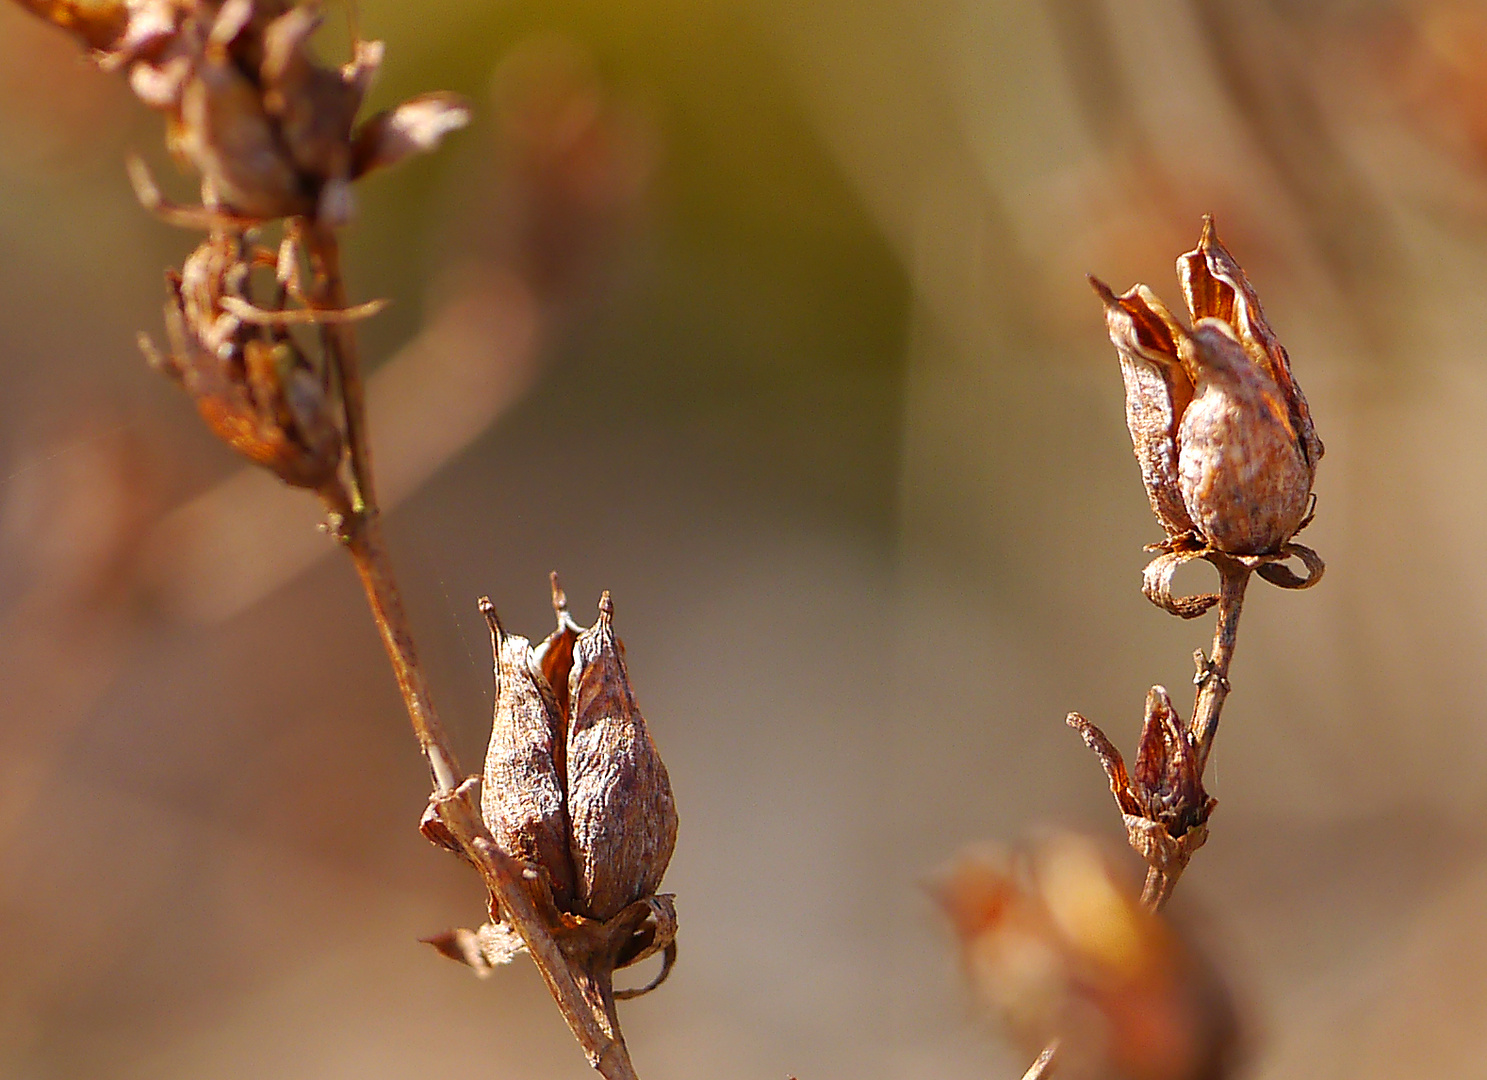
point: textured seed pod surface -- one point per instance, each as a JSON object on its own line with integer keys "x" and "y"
{"x": 623, "y": 818}
{"x": 522, "y": 795}
{"x": 1244, "y": 479}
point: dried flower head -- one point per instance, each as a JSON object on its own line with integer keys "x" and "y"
{"x": 1220, "y": 428}
{"x": 271, "y": 130}
{"x": 255, "y": 387}
{"x": 1055, "y": 949}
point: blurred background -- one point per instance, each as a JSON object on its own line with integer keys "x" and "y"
{"x": 770, "y": 318}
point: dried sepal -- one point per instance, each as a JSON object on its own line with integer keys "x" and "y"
{"x": 1156, "y": 584}
{"x": 620, "y": 806}
{"x": 522, "y": 797}
{"x": 1157, "y": 391}
{"x": 417, "y": 126}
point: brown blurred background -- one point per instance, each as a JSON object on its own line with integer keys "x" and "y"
{"x": 770, "y": 318}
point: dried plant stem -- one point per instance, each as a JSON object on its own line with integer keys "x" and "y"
{"x": 1213, "y": 674}
{"x": 1044, "y": 1064}
{"x": 587, "y": 1005}
{"x": 1213, "y": 689}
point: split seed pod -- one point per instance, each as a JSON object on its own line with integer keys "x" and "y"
{"x": 522, "y": 797}
{"x": 573, "y": 782}
{"x": 622, "y": 815}
{"x": 1221, "y": 430}
{"x": 1162, "y": 800}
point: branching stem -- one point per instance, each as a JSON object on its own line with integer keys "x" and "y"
{"x": 1213, "y": 688}
{"x": 588, "y": 1008}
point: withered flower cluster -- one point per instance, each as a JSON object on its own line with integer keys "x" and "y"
{"x": 1222, "y": 432}
{"x": 272, "y": 132}
{"x": 1056, "y": 948}
{"x": 575, "y": 789}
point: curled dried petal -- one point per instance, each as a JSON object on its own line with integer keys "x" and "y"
{"x": 1277, "y": 573}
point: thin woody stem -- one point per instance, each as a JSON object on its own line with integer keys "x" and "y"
{"x": 1213, "y": 676}
{"x": 357, "y": 521}
{"x": 1213, "y": 689}
{"x": 1044, "y": 1065}
{"x": 588, "y": 1009}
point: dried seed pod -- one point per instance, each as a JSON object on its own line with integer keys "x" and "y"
{"x": 1162, "y": 800}
{"x": 521, "y": 796}
{"x": 251, "y": 383}
{"x": 1243, "y": 473}
{"x": 620, "y": 806}
{"x": 1224, "y": 436}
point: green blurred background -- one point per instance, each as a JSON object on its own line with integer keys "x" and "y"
{"x": 768, "y": 317}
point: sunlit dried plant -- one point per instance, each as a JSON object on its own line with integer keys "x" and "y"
{"x": 1228, "y": 453}
{"x": 576, "y": 823}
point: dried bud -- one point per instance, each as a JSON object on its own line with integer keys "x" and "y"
{"x": 1055, "y": 948}
{"x": 619, "y": 796}
{"x": 1164, "y": 805}
{"x": 251, "y": 382}
{"x": 522, "y": 795}
{"x": 1221, "y": 430}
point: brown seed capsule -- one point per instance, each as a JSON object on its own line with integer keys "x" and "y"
{"x": 620, "y": 806}
{"x": 251, "y": 383}
{"x": 522, "y": 798}
{"x": 1222, "y": 432}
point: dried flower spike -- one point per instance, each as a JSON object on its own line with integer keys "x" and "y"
{"x": 271, "y": 130}
{"x": 1221, "y": 430}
